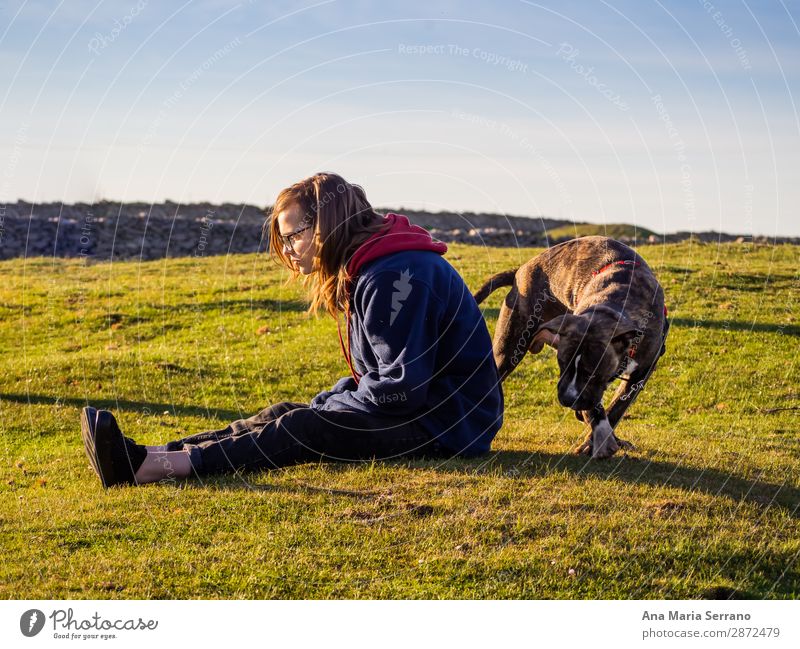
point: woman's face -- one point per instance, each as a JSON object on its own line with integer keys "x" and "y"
{"x": 301, "y": 252}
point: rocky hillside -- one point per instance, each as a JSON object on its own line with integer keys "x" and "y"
{"x": 140, "y": 230}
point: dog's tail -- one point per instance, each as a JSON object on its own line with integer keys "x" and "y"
{"x": 506, "y": 278}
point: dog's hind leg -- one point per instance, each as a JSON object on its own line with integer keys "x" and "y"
{"x": 513, "y": 334}
{"x": 585, "y": 447}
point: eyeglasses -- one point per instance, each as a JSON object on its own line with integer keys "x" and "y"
{"x": 289, "y": 239}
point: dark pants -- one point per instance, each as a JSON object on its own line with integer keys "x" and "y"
{"x": 291, "y": 433}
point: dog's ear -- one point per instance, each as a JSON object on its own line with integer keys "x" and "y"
{"x": 537, "y": 345}
{"x": 554, "y": 325}
{"x": 541, "y": 338}
{"x": 548, "y": 333}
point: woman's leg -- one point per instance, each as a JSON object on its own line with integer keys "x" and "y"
{"x": 171, "y": 461}
{"x": 163, "y": 466}
{"x": 238, "y": 427}
{"x": 305, "y": 434}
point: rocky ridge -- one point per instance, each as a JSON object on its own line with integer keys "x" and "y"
{"x": 107, "y": 230}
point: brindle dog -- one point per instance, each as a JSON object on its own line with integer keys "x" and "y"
{"x": 598, "y": 303}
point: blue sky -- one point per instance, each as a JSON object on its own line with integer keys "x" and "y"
{"x": 671, "y": 115}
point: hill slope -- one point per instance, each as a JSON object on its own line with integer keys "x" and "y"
{"x": 707, "y": 507}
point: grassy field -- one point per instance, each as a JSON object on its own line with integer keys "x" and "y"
{"x": 707, "y": 507}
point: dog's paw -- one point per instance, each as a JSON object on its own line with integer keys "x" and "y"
{"x": 605, "y": 451}
{"x": 585, "y": 447}
{"x": 604, "y": 443}
{"x": 625, "y": 445}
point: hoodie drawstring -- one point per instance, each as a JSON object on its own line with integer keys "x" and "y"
{"x": 346, "y": 352}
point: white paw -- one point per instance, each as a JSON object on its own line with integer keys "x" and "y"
{"x": 603, "y": 443}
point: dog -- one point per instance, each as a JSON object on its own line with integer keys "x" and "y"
{"x": 596, "y": 301}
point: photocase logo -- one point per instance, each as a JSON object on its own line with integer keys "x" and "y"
{"x": 31, "y": 622}
{"x": 402, "y": 289}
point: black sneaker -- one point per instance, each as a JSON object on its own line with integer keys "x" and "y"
{"x": 114, "y": 457}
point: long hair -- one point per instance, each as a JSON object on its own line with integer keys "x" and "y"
{"x": 342, "y": 220}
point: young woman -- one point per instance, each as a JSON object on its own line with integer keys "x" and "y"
{"x": 423, "y": 379}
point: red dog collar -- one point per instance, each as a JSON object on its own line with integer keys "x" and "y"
{"x": 625, "y": 262}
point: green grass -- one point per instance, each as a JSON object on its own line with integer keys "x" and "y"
{"x": 616, "y": 230}
{"x": 707, "y": 507}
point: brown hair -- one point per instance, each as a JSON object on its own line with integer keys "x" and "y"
{"x": 342, "y": 220}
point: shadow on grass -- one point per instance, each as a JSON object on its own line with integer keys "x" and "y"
{"x": 513, "y": 464}
{"x": 518, "y": 464}
{"x": 735, "y": 325}
{"x": 522, "y": 465}
{"x": 125, "y": 405}
{"x": 244, "y": 481}
{"x": 755, "y": 282}
{"x": 243, "y": 305}
{"x": 158, "y": 314}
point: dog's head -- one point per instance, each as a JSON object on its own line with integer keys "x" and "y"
{"x": 590, "y": 349}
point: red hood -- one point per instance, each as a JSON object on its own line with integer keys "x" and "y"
{"x": 400, "y": 234}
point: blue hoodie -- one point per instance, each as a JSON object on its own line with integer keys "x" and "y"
{"x": 419, "y": 345}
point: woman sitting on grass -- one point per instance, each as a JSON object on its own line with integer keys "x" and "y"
{"x": 423, "y": 382}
